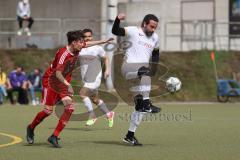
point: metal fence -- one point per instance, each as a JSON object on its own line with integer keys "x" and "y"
{"x": 46, "y": 32}
{"x": 199, "y": 35}
{"x": 175, "y": 35}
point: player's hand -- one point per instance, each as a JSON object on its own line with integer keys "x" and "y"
{"x": 70, "y": 90}
{"x": 106, "y": 74}
{"x": 121, "y": 16}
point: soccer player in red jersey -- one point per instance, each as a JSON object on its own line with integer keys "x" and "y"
{"x": 56, "y": 85}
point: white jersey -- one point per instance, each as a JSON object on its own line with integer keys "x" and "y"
{"x": 141, "y": 45}
{"x": 90, "y": 66}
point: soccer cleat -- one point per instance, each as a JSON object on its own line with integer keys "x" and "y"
{"x": 148, "y": 107}
{"x": 30, "y": 135}
{"x": 54, "y": 141}
{"x": 110, "y": 117}
{"x": 155, "y": 109}
{"x": 91, "y": 122}
{"x": 132, "y": 141}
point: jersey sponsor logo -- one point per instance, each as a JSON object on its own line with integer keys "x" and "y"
{"x": 145, "y": 44}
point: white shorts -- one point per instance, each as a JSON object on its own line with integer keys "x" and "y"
{"x": 94, "y": 85}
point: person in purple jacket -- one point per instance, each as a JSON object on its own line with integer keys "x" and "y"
{"x": 17, "y": 81}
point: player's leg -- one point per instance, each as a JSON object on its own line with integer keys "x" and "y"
{"x": 144, "y": 91}
{"x": 36, "y": 121}
{"x": 142, "y": 72}
{"x": 136, "y": 119}
{"x": 130, "y": 71}
{"x": 48, "y": 99}
{"x": 141, "y": 94}
{"x": 84, "y": 95}
{"x": 68, "y": 109}
{"x": 100, "y": 103}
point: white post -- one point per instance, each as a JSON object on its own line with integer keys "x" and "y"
{"x": 111, "y": 15}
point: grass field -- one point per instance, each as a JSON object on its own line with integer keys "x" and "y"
{"x": 180, "y": 132}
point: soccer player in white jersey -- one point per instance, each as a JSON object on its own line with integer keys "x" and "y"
{"x": 91, "y": 72}
{"x": 144, "y": 48}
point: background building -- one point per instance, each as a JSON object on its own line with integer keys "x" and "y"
{"x": 184, "y": 24}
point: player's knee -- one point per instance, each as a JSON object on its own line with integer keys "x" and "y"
{"x": 82, "y": 96}
{"x": 70, "y": 108}
{"x": 96, "y": 101}
{"x": 144, "y": 71}
{"x": 48, "y": 110}
{"x": 67, "y": 100}
{"x": 138, "y": 100}
{"x": 145, "y": 81}
{"x": 100, "y": 102}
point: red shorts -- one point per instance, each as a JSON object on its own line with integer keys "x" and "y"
{"x": 50, "y": 97}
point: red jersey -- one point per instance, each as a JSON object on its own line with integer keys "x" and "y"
{"x": 64, "y": 61}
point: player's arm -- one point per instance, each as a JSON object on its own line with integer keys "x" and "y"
{"x": 155, "y": 60}
{"x": 107, "y": 66}
{"x": 155, "y": 55}
{"x": 61, "y": 78}
{"x": 93, "y": 43}
{"x": 116, "y": 29}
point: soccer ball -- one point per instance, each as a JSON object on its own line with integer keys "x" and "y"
{"x": 173, "y": 84}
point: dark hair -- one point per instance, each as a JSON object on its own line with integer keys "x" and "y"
{"x": 39, "y": 70}
{"x": 74, "y": 36}
{"x": 87, "y": 30}
{"x": 21, "y": 67}
{"x": 149, "y": 17}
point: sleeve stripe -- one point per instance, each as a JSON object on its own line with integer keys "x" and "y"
{"x": 64, "y": 55}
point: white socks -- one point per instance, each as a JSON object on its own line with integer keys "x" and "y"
{"x": 103, "y": 106}
{"x": 136, "y": 119}
{"x": 88, "y": 104}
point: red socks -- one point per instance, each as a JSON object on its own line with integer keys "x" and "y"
{"x": 40, "y": 117}
{"x": 64, "y": 119}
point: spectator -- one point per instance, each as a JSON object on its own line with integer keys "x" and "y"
{"x": 35, "y": 84}
{"x": 3, "y": 80}
{"x": 23, "y": 14}
{"x": 17, "y": 81}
